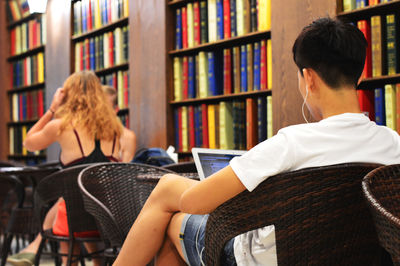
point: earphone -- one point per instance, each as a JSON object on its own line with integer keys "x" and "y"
{"x": 302, "y": 107}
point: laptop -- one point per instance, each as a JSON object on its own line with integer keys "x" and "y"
{"x": 209, "y": 161}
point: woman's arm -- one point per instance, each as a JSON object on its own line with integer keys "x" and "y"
{"x": 128, "y": 145}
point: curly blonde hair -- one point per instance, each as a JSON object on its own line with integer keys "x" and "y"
{"x": 85, "y": 104}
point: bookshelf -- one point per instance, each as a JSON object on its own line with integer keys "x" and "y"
{"x": 221, "y": 75}
{"x": 99, "y": 42}
{"x": 26, "y": 85}
{"x": 380, "y": 87}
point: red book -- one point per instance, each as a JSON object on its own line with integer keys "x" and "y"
{"x": 227, "y": 71}
{"x": 251, "y": 123}
{"x": 227, "y": 19}
{"x": 196, "y": 20}
{"x": 82, "y": 56}
{"x": 12, "y": 37}
{"x": 115, "y": 80}
{"x": 40, "y": 105}
{"x": 263, "y": 66}
{"x": 126, "y": 89}
{"x": 25, "y": 72}
{"x": 87, "y": 54}
{"x": 89, "y": 16}
{"x": 20, "y": 101}
{"x": 185, "y": 77}
{"x": 374, "y": 2}
{"x": 366, "y": 98}
{"x": 180, "y": 145}
{"x": 192, "y": 139}
{"x": 111, "y": 48}
{"x": 365, "y": 27}
{"x": 35, "y": 34}
{"x": 184, "y": 28}
{"x": 204, "y": 123}
{"x": 30, "y": 35}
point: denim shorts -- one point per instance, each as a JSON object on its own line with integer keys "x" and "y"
{"x": 192, "y": 241}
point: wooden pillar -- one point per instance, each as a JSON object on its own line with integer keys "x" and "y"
{"x": 287, "y": 20}
{"x": 57, "y": 53}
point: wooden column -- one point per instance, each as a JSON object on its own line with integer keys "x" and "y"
{"x": 5, "y": 81}
{"x": 288, "y": 18}
{"x": 57, "y": 53}
{"x": 147, "y": 72}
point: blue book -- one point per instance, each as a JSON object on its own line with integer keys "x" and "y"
{"x": 233, "y": 18}
{"x": 262, "y": 118}
{"x": 105, "y": 19}
{"x": 178, "y": 29}
{"x": 84, "y": 18}
{"x": 243, "y": 68}
{"x": 220, "y": 20}
{"x": 191, "y": 77}
{"x": 211, "y": 74}
{"x": 361, "y": 3}
{"x": 92, "y": 54}
{"x": 199, "y": 111}
{"x": 176, "y": 129}
{"x": 24, "y": 114}
{"x": 380, "y": 116}
{"x": 256, "y": 67}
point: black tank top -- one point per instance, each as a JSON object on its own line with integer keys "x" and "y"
{"x": 96, "y": 156}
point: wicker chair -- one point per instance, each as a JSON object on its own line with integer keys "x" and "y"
{"x": 319, "y": 214}
{"x": 114, "y": 194}
{"x": 64, "y": 184}
{"x": 183, "y": 167}
{"x": 381, "y": 188}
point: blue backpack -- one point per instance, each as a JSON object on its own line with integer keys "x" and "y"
{"x": 152, "y": 156}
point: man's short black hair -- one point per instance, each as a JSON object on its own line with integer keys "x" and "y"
{"x": 334, "y": 49}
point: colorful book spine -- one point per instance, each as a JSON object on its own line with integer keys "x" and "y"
{"x": 233, "y": 18}
{"x": 220, "y": 20}
{"x": 392, "y": 44}
{"x": 264, "y": 15}
{"x": 184, "y": 28}
{"x": 203, "y": 21}
{"x": 212, "y": 20}
{"x": 185, "y": 78}
{"x": 211, "y": 126}
{"x": 185, "y": 129}
{"x": 212, "y": 84}
{"x": 262, "y": 118}
{"x": 376, "y": 41}
{"x": 178, "y": 30}
{"x": 390, "y": 106}
{"x": 251, "y": 123}
{"x": 191, "y": 127}
{"x": 250, "y": 73}
{"x": 177, "y": 79}
{"x": 256, "y": 67}
{"x": 227, "y": 71}
{"x": 269, "y": 64}
{"x": 196, "y": 22}
{"x": 227, "y": 19}
{"x": 380, "y": 115}
{"x": 236, "y": 66}
{"x": 190, "y": 24}
{"x": 365, "y": 27}
{"x": 191, "y": 77}
{"x": 225, "y": 126}
{"x": 203, "y": 75}
{"x": 243, "y": 68}
{"x": 204, "y": 122}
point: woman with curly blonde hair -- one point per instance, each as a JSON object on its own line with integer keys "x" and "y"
{"x": 83, "y": 122}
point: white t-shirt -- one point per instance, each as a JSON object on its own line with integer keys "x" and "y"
{"x": 344, "y": 138}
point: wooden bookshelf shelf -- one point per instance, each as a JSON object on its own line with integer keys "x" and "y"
{"x": 366, "y": 12}
{"x": 240, "y": 40}
{"x": 179, "y": 3}
{"x": 112, "y": 69}
{"x": 26, "y": 157}
{"x": 220, "y": 98}
{"x": 27, "y": 53}
{"x": 22, "y": 20}
{"x": 119, "y": 23}
{"x": 375, "y": 82}
{"x": 26, "y": 88}
{"x": 20, "y": 123}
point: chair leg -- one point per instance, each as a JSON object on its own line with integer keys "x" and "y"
{"x": 6, "y": 248}
{"x": 39, "y": 251}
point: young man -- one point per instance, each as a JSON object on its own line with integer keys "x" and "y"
{"x": 330, "y": 58}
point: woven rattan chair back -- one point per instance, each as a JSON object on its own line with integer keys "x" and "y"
{"x": 115, "y": 193}
{"x": 381, "y": 188}
{"x": 64, "y": 184}
{"x": 319, "y": 214}
{"x": 183, "y": 167}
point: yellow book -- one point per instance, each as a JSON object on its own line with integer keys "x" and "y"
{"x": 225, "y": 126}
{"x": 24, "y": 29}
{"x": 270, "y": 131}
{"x": 118, "y": 46}
{"x": 177, "y": 79}
{"x": 264, "y": 15}
{"x": 97, "y": 15}
{"x": 211, "y": 126}
{"x": 106, "y": 53}
{"x": 185, "y": 140}
{"x": 390, "y": 105}
{"x": 269, "y": 63}
{"x": 18, "y": 40}
{"x": 126, "y": 8}
{"x": 376, "y": 45}
{"x": 212, "y": 20}
{"x": 120, "y": 90}
{"x": 15, "y": 107}
{"x": 24, "y": 150}
{"x": 190, "y": 25}
{"x": 11, "y": 138}
{"x": 78, "y": 56}
{"x": 40, "y": 68}
{"x": 239, "y": 17}
{"x": 203, "y": 75}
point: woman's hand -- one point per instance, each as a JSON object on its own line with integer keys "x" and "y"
{"x": 57, "y": 99}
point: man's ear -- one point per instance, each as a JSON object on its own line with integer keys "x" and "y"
{"x": 309, "y": 78}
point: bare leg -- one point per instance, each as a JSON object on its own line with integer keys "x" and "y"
{"x": 64, "y": 250}
{"x": 148, "y": 232}
{"x": 91, "y": 247}
{"x": 47, "y": 224}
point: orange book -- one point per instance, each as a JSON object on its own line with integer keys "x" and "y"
{"x": 251, "y": 123}
{"x": 365, "y": 27}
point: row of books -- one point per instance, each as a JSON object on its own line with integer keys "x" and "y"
{"x": 349, "y": 5}
{"x": 120, "y": 81}
{"x": 124, "y": 119}
{"x": 227, "y": 71}
{"x": 239, "y": 124}
{"x": 17, "y": 135}
{"x": 28, "y": 35}
{"x": 103, "y": 51}
{"x": 381, "y": 33}
{"x": 27, "y": 105}
{"x": 18, "y": 9}
{"x": 211, "y": 20}
{"x": 28, "y": 71}
{"x": 93, "y": 14}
